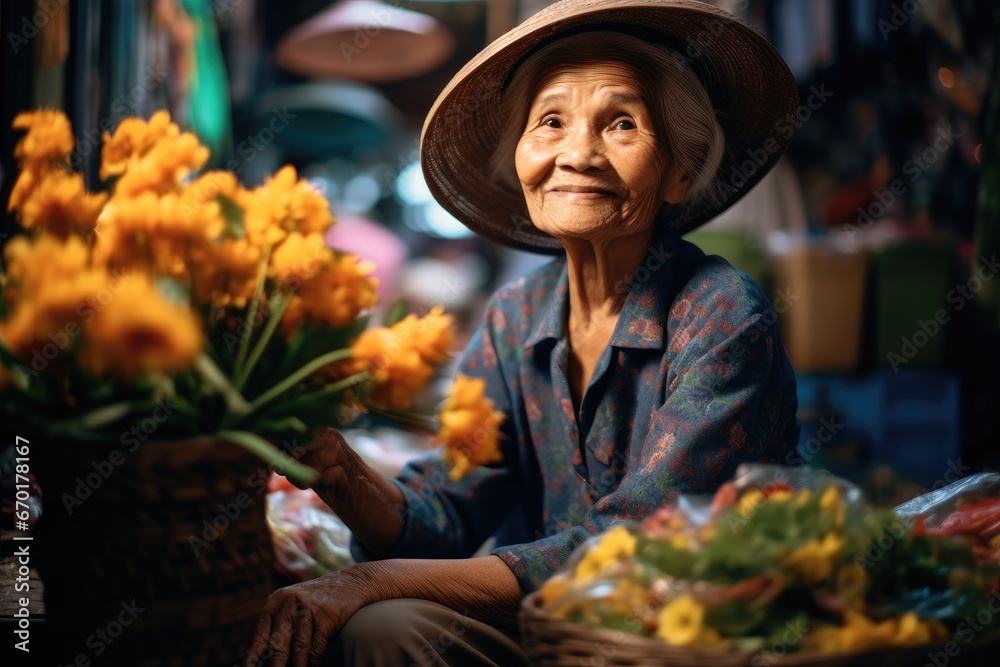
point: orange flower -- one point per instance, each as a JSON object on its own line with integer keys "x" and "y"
{"x": 401, "y": 358}
{"x": 49, "y": 138}
{"x": 339, "y": 292}
{"x": 60, "y": 205}
{"x": 138, "y": 331}
{"x": 132, "y": 139}
{"x": 52, "y": 284}
{"x": 470, "y": 427}
{"x": 227, "y": 273}
{"x": 299, "y": 258}
{"x": 163, "y": 167}
{"x": 397, "y": 370}
{"x": 284, "y": 204}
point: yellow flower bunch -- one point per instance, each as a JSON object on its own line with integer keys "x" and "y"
{"x": 182, "y": 282}
{"x": 125, "y": 325}
{"x": 400, "y": 359}
{"x": 615, "y": 545}
{"x": 46, "y": 195}
{"x": 470, "y": 427}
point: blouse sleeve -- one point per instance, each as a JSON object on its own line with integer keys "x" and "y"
{"x": 727, "y": 398}
{"x": 448, "y": 519}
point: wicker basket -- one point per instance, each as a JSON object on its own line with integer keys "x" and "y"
{"x": 127, "y": 559}
{"x": 553, "y": 643}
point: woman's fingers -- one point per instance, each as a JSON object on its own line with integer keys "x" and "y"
{"x": 283, "y": 623}
{"x": 303, "y": 640}
{"x": 260, "y": 637}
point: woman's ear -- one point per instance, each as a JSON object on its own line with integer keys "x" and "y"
{"x": 677, "y": 185}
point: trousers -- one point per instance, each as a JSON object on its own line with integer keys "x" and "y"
{"x": 419, "y": 633}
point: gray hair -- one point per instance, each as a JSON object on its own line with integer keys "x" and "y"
{"x": 683, "y": 117}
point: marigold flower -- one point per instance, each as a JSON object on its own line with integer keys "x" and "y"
{"x": 138, "y": 331}
{"x": 615, "y": 545}
{"x": 161, "y": 169}
{"x": 470, "y": 427}
{"x": 284, "y": 204}
{"x": 132, "y": 139}
{"x": 681, "y": 621}
{"x": 398, "y": 372}
{"x": 339, "y": 292}
{"x": 226, "y": 273}
{"x": 49, "y": 138}
{"x": 396, "y": 360}
{"x": 299, "y": 258}
{"x": 60, "y": 205}
{"x": 431, "y": 335}
{"x": 53, "y": 283}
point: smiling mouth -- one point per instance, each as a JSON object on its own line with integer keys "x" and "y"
{"x": 582, "y": 192}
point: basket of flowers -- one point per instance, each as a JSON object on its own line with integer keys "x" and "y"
{"x": 165, "y": 344}
{"x": 781, "y": 567}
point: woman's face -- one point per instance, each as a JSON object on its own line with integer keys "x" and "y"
{"x": 588, "y": 161}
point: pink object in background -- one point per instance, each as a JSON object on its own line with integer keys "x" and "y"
{"x": 369, "y": 240}
{"x": 365, "y": 40}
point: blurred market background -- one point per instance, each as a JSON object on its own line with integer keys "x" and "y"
{"x": 877, "y": 236}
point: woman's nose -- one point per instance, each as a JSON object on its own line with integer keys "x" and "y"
{"x": 582, "y": 150}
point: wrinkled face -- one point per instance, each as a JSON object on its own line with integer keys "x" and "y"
{"x": 589, "y": 162}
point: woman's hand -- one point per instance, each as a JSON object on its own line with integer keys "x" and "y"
{"x": 299, "y": 620}
{"x": 371, "y": 506}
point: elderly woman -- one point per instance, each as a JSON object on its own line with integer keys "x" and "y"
{"x": 630, "y": 369}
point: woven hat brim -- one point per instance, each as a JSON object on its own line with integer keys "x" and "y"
{"x": 751, "y": 89}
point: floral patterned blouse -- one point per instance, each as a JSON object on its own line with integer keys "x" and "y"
{"x": 694, "y": 382}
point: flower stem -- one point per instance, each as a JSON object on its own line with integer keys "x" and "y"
{"x": 241, "y": 352}
{"x": 300, "y": 375}
{"x": 279, "y": 304}
{"x": 298, "y": 473}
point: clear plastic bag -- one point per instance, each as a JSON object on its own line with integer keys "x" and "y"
{"x": 968, "y": 508}
{"x": 309, "y": 540}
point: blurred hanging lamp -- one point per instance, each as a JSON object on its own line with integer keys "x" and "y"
{"x": 365, "y": 40}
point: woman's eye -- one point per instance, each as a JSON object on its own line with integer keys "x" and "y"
{"x": 551, "y": 122}
{"x": 624, "y": 124}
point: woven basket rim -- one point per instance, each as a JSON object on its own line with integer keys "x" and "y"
{"x": 531, "y": 613}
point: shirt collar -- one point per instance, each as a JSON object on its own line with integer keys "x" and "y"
{"x": 552, "y": 313}
{"x": 642, "y": 322}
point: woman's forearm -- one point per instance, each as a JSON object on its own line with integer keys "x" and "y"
{"x": 483, "y": 588}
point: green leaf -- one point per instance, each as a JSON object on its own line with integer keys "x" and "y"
{"x": 396, "y": 313}
{"x": 109, "y": 414}
{"x": 298, "y": 473}
{"x": 234, "y": 217}
{"x": 215, "y": 378}
{"x": 300, "y": 375}
{"x": 278, "y": 305}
